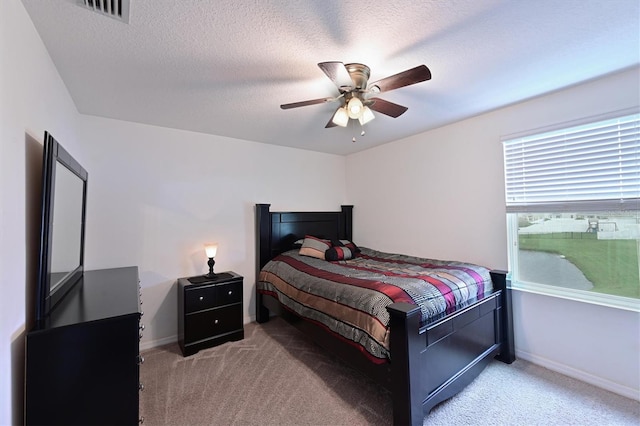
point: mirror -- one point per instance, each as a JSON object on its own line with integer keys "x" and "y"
{"x": 67, "y": 225}
{"x": 64, "y": 193}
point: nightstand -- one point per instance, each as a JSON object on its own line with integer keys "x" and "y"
{"x": 209, "y": 311}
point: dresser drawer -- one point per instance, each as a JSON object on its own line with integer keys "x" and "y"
{"x": 227, "y": 294}
{"x": 200, "y": 298}
{"x": 213, "y": 322}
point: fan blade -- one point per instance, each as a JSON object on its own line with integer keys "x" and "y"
{"x": 305, "y": 103}
{"x": 405, "y": 78}
{"x": 330, "y": 123}
{"x": 387, "y": 108}
{"x": 337, "y": 72}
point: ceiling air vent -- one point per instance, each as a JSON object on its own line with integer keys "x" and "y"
{"x": 116, "y": 9}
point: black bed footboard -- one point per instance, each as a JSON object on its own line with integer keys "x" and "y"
{"x": 432, "y": 363}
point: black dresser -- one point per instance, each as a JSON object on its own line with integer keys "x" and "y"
{"x": 82, "y": 365}
{"x": 209, "y": 311}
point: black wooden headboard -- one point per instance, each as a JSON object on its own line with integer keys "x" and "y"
{"x": 277, "y": 231}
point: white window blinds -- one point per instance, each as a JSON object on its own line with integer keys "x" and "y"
{"x": 590, "y": 167}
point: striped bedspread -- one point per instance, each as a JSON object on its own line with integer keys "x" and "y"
{"x": 349, "y": 298}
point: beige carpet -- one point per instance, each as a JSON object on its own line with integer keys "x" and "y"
{"x": 275, "y": 377}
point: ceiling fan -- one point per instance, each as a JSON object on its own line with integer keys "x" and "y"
{"x": 355, "y": 92}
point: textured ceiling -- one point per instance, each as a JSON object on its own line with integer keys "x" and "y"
{"x": 223, "y": 67}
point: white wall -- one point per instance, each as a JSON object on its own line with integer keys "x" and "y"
{"x": 440, "y": 194}
{"x": 32, "y": 99}
{"x": 157, "y": 195}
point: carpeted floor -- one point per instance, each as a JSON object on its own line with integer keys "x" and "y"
{"x": 276, "y": 377}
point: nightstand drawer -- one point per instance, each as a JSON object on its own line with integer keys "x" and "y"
{"x": 210, "y": 323}
{"x": 200, "y": 298}
{"x": 227, "y": 294}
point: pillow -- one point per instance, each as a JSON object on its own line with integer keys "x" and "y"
{"x": 314, "y": 247}
{"x": 339, "y": 253}
{"x": 349, "y": 244}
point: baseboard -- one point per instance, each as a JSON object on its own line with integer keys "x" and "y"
{"x": 150, "y": 344}
{"x": 580, "y": 375}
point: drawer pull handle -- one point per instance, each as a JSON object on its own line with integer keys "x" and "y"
{"x": 140, "y": 359}
{"x": 215, "y": 321}
{"x": 141, "y": 387}
{"x": 201, "y": 298}
{"x": 141, "y": 420}
{"x": 230, "y": 292}
{"x": 141, "y": 327}
{"x": 140, "y": 336}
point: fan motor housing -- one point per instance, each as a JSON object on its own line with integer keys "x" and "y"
{"x": 359, "y": 74}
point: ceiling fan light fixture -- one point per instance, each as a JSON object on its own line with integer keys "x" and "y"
{"x": 355, "y": 107}
{"x": 352, "y": 81}
{"x": 366, "y": 116}
{"x": 341, "y": 117}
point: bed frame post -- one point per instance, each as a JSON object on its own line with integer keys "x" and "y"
{"x": 405, "y": 364}
{"x": 347, "y": 213}
{"x": 507, "y": 352}
{"x": 263, "y": 254}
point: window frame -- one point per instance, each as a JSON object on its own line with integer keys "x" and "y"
{"x": 587, "y": 296}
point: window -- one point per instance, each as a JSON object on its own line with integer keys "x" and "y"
{"x": 573, "y": 211}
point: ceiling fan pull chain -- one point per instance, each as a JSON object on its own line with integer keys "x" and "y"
{"x": 353, "y": 126}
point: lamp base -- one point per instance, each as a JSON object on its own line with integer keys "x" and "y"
{"x": 206, "y": 279}
{"x": 211, "y": 275}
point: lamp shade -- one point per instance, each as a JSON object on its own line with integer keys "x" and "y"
{"x": 354, "y": 107}
{"x": 341, "y": 117}
{"x": 211, "y": 249}
{"x": 367, "y": 116}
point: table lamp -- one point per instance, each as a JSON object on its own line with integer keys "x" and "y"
{"x": 211, "y": 249}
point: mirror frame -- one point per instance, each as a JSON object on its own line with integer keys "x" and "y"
{"x": 56, "y": 156}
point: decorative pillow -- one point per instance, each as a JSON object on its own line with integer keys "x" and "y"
{"x": 349, "y": 244}
{"x": 314, "y": 247}
{"x": 339, "y": 253}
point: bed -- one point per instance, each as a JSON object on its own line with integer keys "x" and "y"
{"x": 424, "y": 353}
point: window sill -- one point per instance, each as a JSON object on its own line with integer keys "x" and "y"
{"x": 618, "y": 302}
